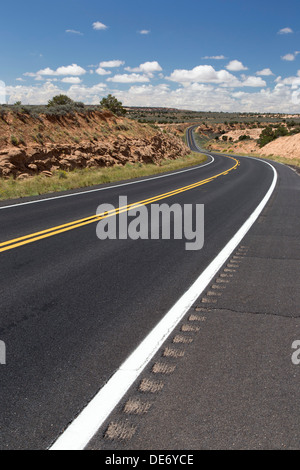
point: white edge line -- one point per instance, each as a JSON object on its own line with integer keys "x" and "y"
{"x": 109, "y": 187}
{"x": 85, "y": 426}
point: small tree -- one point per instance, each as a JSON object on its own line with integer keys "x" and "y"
{"x": 60, "y": 100}
{"x": 112, "y": 104}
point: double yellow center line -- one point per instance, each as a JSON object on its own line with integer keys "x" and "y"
{"x": 33, "y": 237}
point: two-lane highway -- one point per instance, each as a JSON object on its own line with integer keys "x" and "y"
{"x": 73, "y": 308}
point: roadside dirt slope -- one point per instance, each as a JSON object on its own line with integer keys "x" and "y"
{"x": 31, "y": 145}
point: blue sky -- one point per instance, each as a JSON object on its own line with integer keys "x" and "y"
{"x": 228, "y": 55}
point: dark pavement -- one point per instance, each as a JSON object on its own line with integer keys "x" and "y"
{"x": 236, "y": 386}
{"x": 73, "y": 308}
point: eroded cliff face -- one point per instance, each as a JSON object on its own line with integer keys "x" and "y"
{"x": 80, "y": 141}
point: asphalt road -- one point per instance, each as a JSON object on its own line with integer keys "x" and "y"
{"x": 235, "y": 385}
{"x": 74, "y": 307}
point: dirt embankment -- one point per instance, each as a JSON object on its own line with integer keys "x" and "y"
{"x": 287, "y": 147}
{"x": 31, "y": 145}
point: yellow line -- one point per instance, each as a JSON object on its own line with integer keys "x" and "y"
{"x": 17, "y": 242}
{"x": 93, "y": 218}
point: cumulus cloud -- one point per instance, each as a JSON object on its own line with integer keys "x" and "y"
{"x": 293, "y": 82}
{"x": 204, "y": 74}
{"x": 146, "y": 67}
{"x": 236, "y": 66}
{"x": 112, "y": 63}
{"x": 102, "y": 71}
{"x": 73, "y": 69}
{"x": 129, "y": 78}
{"x": 265, "y": 72}
{"x": 256, "y": 82}
{"x": 285, "y": 31}
{"x": 86, "y": 94}
{"x": 98, "y": 26}
{"x": 144, "y": 31}
{"x": 42, "y": 94}
{"x": 73, "y": 80}
{"x": 3, "y": 93}
{"x": 289, "y": 57}
{"x": 205, "y": 97}
{"x": 194, "y": 96}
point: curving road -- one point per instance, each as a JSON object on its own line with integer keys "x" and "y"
{"x": 73, "y": 308}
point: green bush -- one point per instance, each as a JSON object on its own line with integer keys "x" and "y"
{"x": 268, "y": 135}
{"x": 60, "y": 100}
{"x": 112, "y": 104}
{"x": 244, "y": 137}
{"x": 14, "y": 141}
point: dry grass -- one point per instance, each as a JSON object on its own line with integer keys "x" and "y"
{"x": 63, "y": 181}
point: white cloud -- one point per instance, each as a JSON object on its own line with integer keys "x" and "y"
{"x": 101, "y": 71}
{"x": 204, "y": 74}
{"x": 20, "y": 80}
{"x": 73, "y": 80}
{"x": 73, "y": 31}
{"x": 98, "y": 26}
{"x": 3, "y": 93}
{"x": 293, "y": 82}
{"x": 73, "y": 69}
{"x": 194, "y": 96}
{"x": 285, "y": 31}
{"x": 129, "y": 78}
{"x": 236, "y": 66}
{"x": 204, "y": 97}
{"x": 144, "y": 31}
{"x": 214, "y": 57}
{"x": 112, "y": 63}
{"x": 289, "y": 57}
{"x": 33, "y": 94}
{"x": 29, "y": 74}
{"x": 256, "y": 82}
{"x": 265, "y": 72}
{"x": 146, "y": 67}
{"x": 42, "y": 94}
{"x": 86, "y": 94}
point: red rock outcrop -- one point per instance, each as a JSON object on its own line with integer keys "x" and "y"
{"x": 121, "y": 150}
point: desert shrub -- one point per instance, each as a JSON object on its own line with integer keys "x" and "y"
{"x": 62, "y": 174}
{"x": 59, "y": 110}
{"x": 14, "y": 141}
{"x": 112, "y": 104}
{"x": 244, "y": 137}
{"x": 60, "y": 100}
{"x": 294, "y": 131}
{"x": 268, "y": 135}
{"x": 38, "y": 138}
{"x": 79, "y": 105}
